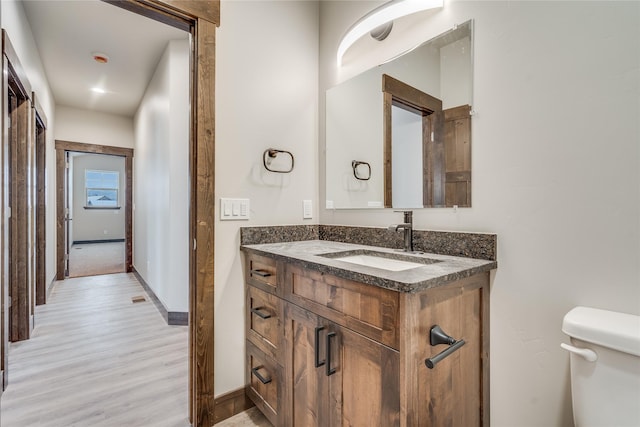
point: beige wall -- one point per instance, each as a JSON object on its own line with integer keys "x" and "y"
{"x": 555, "y": 174}
{"x": 266, "y": 97}
{"x": 92, "y": 127}
{"x": 96, "y": 224}
{"x": 161, "y": 180}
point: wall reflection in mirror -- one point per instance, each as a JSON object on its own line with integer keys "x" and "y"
{"x": 409, "y": 119}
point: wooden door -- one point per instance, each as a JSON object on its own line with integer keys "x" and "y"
{"x": 457, "y": 146}
{"x": 20, "y": 311}
{"x": 306, "y": 403}
{"x": 364, "y": 380}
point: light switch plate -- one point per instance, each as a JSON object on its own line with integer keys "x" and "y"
{"x": 234, "y": 209}
{"x": 307, "y": 209}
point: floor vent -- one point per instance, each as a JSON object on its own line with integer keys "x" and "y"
{"x": 138, "y": 299}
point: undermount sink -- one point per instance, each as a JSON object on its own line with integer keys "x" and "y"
{"x": 382, "y": 260}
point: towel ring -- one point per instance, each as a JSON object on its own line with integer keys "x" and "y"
{"x": 355, "y": 164}
{"x": 270, "y": 154}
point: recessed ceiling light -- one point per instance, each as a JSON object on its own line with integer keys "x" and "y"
{"x": 98, "y": 90}
{"x": 101, "y": 58}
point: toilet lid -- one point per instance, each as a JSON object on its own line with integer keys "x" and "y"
{"x": 618, "y": 331}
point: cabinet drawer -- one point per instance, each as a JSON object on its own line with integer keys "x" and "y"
{"x": 367, "y": 309}
{"x": 264, "y": 379}
{"x": 264, "y": 314}
{"x": 262, "y": 272}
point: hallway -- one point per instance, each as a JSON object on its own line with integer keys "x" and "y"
{"x": 98, "y": 359}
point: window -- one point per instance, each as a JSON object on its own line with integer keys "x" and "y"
{"x": 101, "y": 188}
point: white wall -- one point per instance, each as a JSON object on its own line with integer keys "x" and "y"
{"x": 96, "y": 224}
{"x": 556, "y": 166}
{"x": 456, "y": 82}
{"x": 266, "y": 97}
{"x": 407, "y": 171}
{"x": 161, "y": 180}
{"x": 14, "y": 21}
{"x": 354, "y": 129}
{"x": 93, "y": 127}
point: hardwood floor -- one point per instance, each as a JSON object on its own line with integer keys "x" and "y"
{"x": 98, "y": 359}
{"x": 249, "y": 418}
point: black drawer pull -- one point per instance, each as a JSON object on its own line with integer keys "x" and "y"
{"x": 262, "y": 379}
{"x": 260, "y": 314}
{"x": 330, "y": 370}
{"x": 317, "y": 347}
{"x": 261, "y": 273}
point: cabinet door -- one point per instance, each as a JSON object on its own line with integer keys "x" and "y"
{"x": 305, "y": 384}
{"x": 364, "y": 380}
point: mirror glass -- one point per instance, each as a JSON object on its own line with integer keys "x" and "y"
{"x": 399, "y": 134}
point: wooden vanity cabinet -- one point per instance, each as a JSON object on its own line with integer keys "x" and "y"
{"x": 344, "y": 353}
{"x": 336, "y": 377}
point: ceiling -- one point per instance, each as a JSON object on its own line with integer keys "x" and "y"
{"x": 68, "y": 32}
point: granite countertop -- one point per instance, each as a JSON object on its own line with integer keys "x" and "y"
{"x": 438, "y": 270}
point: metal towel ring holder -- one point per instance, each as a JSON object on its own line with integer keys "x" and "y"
{"x": 355, "y": 164}
{"x": 270, "y": 154}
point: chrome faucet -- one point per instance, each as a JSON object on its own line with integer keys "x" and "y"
{"x": 407, "y": 227}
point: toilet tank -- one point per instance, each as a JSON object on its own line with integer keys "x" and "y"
{"x": 605, "y": 367}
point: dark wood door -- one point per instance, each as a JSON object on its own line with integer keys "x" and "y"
{"x": 457, "y": 146}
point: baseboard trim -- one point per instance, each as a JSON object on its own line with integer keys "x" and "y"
{"x": 84, "y": 242}
{"x": 178, "y": 318}
{"x": 50, "y": 287}
{"x": 230, "y": 404}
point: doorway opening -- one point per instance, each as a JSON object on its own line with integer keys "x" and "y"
{"x": 199, "y": 19}
{"x": 95, "y": 202}
{"x": 78, "y": 176}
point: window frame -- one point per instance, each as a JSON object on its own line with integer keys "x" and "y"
{"x": 87, "y": 189}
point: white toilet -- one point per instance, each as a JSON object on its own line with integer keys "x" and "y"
{"x": 605, "y": 367}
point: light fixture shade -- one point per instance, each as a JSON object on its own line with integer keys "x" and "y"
{"x": 387, "y": 12}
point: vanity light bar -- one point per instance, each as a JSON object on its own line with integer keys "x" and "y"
{"x": 387, "y": 12}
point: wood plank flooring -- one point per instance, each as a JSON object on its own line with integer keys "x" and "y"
{"x": 97, "y": 359}
{"x": 249, "y": 418}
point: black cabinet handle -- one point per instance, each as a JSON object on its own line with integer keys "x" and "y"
{"x": 260, "y": 314}
{"x": 330, "y": 370}
{"x": 262, "y": 379}
{"x": 317, "y": 347}
{"x": 261, "y": 273}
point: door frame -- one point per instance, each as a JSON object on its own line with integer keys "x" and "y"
{"x": 40, "y": 170}
{"x": 13, "y": 74}
{"x": 399, "y": 94}
{"x": 63, "y": 147}
{"x": 200, "y": 18}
